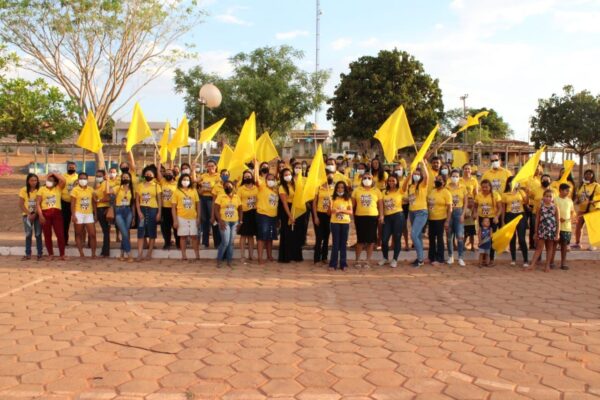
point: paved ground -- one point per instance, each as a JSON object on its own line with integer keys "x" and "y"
{"x": 166, "y": 330}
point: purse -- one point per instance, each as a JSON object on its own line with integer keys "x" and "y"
{"x": 110, "y": 214}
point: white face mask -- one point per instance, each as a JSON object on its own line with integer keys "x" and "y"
{"x": 454, "y": 179}
{"x": 112, "y": 175}
{"x": 49, "y": 184}
{"x": 287, "y": 178}
{"x": 99, "y": 179}
{"x": 330, "y": 168}
{"x": 83, "y": 182}
{"x": 340, "y": 193}
{"x": 586, "y": 181}
{"x": 416, "y": 178}
{"x": 297, "y": 171}
{"x": 271, "y": 183}
{"x": 360, "y": 171}
{"x": 399, "y": 172}
{"x": 198, "y": 169}
{"x": 185, "y": 171}
{"x": 367, "y": 182}
{"x": 495, "y": 164}
{"x": 444, "y": 171}
{"x": 185, "y": 183}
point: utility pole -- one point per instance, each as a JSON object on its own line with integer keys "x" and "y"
{"x": 317, "y": 50}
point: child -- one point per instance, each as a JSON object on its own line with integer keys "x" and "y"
{"x": 566, "y": 210}
{"x": 340, "y": 212}
{"x": 470, "y": 224}
{"x": 546, "y": 229}
{"x": 485, "y": 242}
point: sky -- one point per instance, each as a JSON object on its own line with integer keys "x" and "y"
{"x": 505, "y": 54}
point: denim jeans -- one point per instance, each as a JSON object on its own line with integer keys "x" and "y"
{"x": 227, "y": 242}
{"x": 147, "y": 225}
{"x": 104, "y": 224}
{"x": 456, "y": 229}
{"x": 418, "y": 220}
{"x": 436, "y": 240}
{"x": 123, "y": 218}
{"x": 339, "y": 236}
{"x": 206, "y": 203}
{"x": 32, "y": 228}
{"x": 520, "y": 234}
{"x": 393, "y": 225}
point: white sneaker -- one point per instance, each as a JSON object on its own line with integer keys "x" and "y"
{"x": 394, "y": 263}
{"x": 525, "y": 265}
{"x": 513, "y": 263}
{"x": 382, "y": 262}
{"x": 461, "y": 262}
{"x": 450, "y": 261}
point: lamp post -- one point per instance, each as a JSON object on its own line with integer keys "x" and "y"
{"x": 209, "y": 96}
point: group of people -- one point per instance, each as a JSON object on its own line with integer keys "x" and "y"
{"x": 190, "y": 203}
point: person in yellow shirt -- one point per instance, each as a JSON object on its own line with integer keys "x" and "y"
{"x": 331, "y": 167}
{"x": 148, "y": 201}
{"x": 513, "y": 203}
{"x": 83, "y": 211}
{"x": 124, "y": 195}
{"x": 102, "y": 198}
{"x": 206, "y": 183}
{"x": 416, "y": 188}
{"x": 367, "y": 203}
{"x": 48, "y": 206}
{"x": 340, "y": 212}
{"x": 71, "y": 182}
{"x": 379, "y": 175}
{"x": 360, "y": 170}
{"x": 290, "y": 241}
{"x": 439, "y": 202}
{"x": 566, "y": 210}
{"x": 570, "y": 182}
{"x": 229, "y": 213}
{"x": 185, "y": 209}
{"x": 393, "y": 220}
{"x": 456, "y": 228}
{"x": 267, "y": 202}
{"x": 321, "y": 220}
{"x": 586, "y": 193}
{"x": 168, "y": 185}
{"x": 469, "y": 181}
{"x": 487, "y": 205}
{"x": 31, "y": 222}
{"x": 248, "y": 192}
{"x": 496, "y": 175}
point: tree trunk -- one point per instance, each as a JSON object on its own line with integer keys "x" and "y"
{"x": 581, "y": 160}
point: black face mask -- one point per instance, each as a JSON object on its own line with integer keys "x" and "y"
{"x": 264, "y": 170}
{"x": 330, "y": 180}
{"x": 71, "y": 171}
{"x": 169, "y": 178}
{"x": 545, "y": 184}
{"x": 124, "y": 181}
{"x": 228, "y": 190}
{"x": 247, "y": 181}
{"x": 124, "y": 170}
{"x": 148, "y": 178}
{"x": 438, "y": 184}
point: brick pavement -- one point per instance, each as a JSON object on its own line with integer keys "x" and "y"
{"x": 167, "y": 330}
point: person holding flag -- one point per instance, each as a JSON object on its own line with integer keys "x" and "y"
{"x": 102, "y": 199}
{"x": 290, "y": 242}
{"x": 168, "y": 185}
{"x": 487, "y": 205}
{"x": 321, "y": 216}
{"x": 65, "y": 202}
{"x": 497, "y": 175}
{"x": 248, "y": 192}
{"x": 206, "y": 183}
{"x": 512, "y": 205}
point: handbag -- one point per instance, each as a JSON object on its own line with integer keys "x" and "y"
{"x": 110, "y": 214}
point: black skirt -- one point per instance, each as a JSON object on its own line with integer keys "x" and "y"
{"x": 248, "y": 227}
{"x": 290, "y": 239}
{"x": 366, "y": 229}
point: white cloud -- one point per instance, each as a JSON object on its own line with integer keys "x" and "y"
{"x": 577, "y": 22}
{"x": 341, "y": 43}
{"x": 229, "y": 17}
{"x": 290, "y": 35}
{"x": 438, "y": 27}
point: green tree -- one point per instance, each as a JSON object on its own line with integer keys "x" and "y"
{"x": 94, "y": 49}
{"x": 376, "y": 86}
{"x": 492, "y": 127}
{"x": 571, "y": 120}
{"x": 36, "y": 112}
{"x": 267, "y": 81}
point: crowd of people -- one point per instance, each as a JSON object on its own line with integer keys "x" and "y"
{"x": 191, "y": 203}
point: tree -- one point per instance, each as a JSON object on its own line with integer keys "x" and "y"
{"x": 93, "y": 49}
{"x": 571, "y": 120}
{"x": 492, "y": 127}
{"x": 375, "y": 87}
{"x": 36, "y": 112}
{"x": 267, "y": 81}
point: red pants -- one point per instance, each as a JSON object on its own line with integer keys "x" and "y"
{"x": 54, "y": 220}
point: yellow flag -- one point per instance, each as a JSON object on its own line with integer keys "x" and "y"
{"x": 568, "y": 166}
{"x": 592, "y": 223}
{"x": 395, "y": 134}
{"x": 225, "y": 158}
{"x": 164, "y": 143}
{"x": 473, "y": 121}
{"x": 423, "y": 150}
{"x": 245, "y": 148}
{"x": 89, "y": 138}
{"x": 459, "y": 158}
{"x": 265, "y": 149}
{"x": 208, "y": 133}
{"x": 138, "y": 128}
{"x": 502, "y": 237}
{"x": 307, "y": 188}
{"x": 529, "y": 168}
{"x": 181, "y": 136}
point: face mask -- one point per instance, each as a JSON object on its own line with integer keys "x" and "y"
{"x": 49, "y": 184}
{"x": 416, "y": 178}
{"x": 444, "y": 171}
{"x": 228, "y": 190}
{"x": 495, "y": 164}
{"x": 438, "y": 184}
{"x": 99, "y": 179}
{"x": 454, "y": 179}
{"x": 329, "y": 180}
{"x": 124, "y": 181}
{"x": 71, "y": 171}
{"x": 360, "y": 171}
{"x": 198, "y": 169}
{"x": 148, "y": 178}
{"x": 83, "y": 182}
{"x": 169, "y": 178}
{"x": 185, "y": 183}
{"x": 367, "y": 182}
{"x": 112, "y": 175}
{"x": 297, "y": 171}
{"x": 185, "y": 171}
{"x": 330, "y": 168}
{"x": 340, "y": 193}
{"x": 545, "y": 184}
{"x": 287, "y": 178}
{"x": 247, "y": 180}
{"x": 399, "y": 172}
{"x": 264, "y": 170}
{"x": 586, "y": 181}
{"x": 271, "y": 183}
{"x": 225, "y": 178}
{"x": 124, "y": 170}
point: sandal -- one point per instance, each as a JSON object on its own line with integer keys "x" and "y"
{"x": 25, "y": 258}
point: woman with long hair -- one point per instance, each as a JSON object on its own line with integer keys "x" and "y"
{"x": 340, "y": 212}
{"x": 48, "y": 205}
{"x": 514, "y": 201}
{"x": 439, "y": 201}
{"x": 185, "y": 209}
{"x": 267, "y": 204}
{"x": 321, "y": 218}
{"x": 228, "y": 213}
{"x": 367, "y": 204}
{"x": 83, "y": 213}
{"x": 102, "y": 198}
{"x": 124, "y": 195}
{"x": 148, "y": 202}
{"x": 290, "y": 242}
{"x": 248, "y": 192}
{"x": 587, "y": 191}
{"x": 456, "y": 229}
{"x": 31, "y": 221}
{"x": 393, "y": 220}
{"x": 417, "y": 208}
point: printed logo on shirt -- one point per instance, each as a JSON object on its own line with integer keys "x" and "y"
{"x": 365, "y": 200}
{"x": 515, "y": 207}
{"x": 496, "y": 183}
{"x": 31, "y": 205}
{"x": 273, "y": 200}
{"x": 431, "y": 203}
{"x": 326, "y": 203}
{"x": 340, "y": 216}
{"x": 388, "y": 204}
{"x": 70, "y": 186}
{"x": 146, "y": 197}
{"x": 251, "y": 202}
{"x": 125, "y": 200}
{"x": 167, "y": 194}
{"x": 412, "y": 198}
{"x": 486, "y": 209}
{"x": 206, "y": 186}
{"x": 229, "y": 211}
{"x": 51, "y": 201}
{"x": 455, "y": 200}
{"x": 85, "y": 203}
{"x": 188, "y": 203}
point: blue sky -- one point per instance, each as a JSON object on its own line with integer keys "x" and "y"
{"x": 504, "y": 54}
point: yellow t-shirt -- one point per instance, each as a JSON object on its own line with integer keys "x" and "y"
{"x": 228, "y": 207}
{"x": 84, "y": 199}
{"x": 340, "y": 204}
{"x": 438, "y": 202}
{"x": 537, "y": 195}
{"x": 148, "y": 193}
{"x": 248, "y": 197}
{"x": 458, "y": 195}
{"x": 168, "y": 188}
{"x": 366, "y": 201}
{"x": 380, "y": 184}
{"x": 324, "y": 197}
{"x": 206, "y": 183}
{"x": 290, "y": 196}
{"x": 114, "y": 183}
{"x": 487, "y": 206}
{"x": 585, "y": 194}
{"x": 357, "y": 181}
{"x": 122, "y": 197}
{"x": 186, "y": 201}
{"x": 50, "y": 197}
{"x": 392, "y": 202}
{"x": 471, "y": 184}
{"x": 217, "y": 190}
{"x": 100, "y": 193}
{"x": 417, "y": 199}
{"x": 29, "y": 200}
{"x": 513, "y": 202}
{"x": 565, "y": 207}
{"x": 71, "y": 182}
{"x": 498, "y": 178}
{"x": 267, "y": 201}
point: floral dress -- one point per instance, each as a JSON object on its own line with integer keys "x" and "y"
{"x": 548, "y": 224}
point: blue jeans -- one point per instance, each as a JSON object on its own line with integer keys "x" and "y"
{"x": 418, "y": 219}
{"x": 456, "y": 229}
{"x": 393, "y": 225}
{"x": 227, "y": 241}
{"x": 123, "y": 218}
{"x": 206, "y": 203}
{"x": 339, "y": 234}
{"x": 30, "y": 229}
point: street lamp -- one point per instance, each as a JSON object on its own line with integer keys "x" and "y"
{"x": 209, "y": 96}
